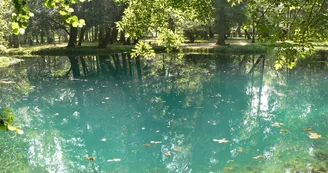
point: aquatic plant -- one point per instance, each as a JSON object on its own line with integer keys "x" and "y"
{"x": 7, "y": 120}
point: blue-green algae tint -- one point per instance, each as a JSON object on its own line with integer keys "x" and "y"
{"x": 174, "y": 113}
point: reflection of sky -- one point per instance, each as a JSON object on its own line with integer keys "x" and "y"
{"x": 66, "y": 120}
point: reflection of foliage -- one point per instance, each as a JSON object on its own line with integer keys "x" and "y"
{"x": 7, "y": 120}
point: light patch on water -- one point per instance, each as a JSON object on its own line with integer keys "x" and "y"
{"x": 46, "y": 151}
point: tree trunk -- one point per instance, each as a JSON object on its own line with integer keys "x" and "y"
{"x": 81, "y": 37}
{"x": 15, "y": 41}
{"x": 222, "y": 28}
{"x": 114, "y": 34}
{"x": 122, "y": 37}
{"x": 128, "y": 41}
{"x": 72, "y": 37}
{"x": 238, "y": 30}
{"x": 247, "y": 34}
{"x": 42, "y": 37}
{"x": 103, "y": 42}
{"x": 253, "y": 36}
{"x": 135, "y": 41}
{"x": 96, "y": 33}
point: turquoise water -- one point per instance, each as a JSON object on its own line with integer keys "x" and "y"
{"x": 164, "y": 114}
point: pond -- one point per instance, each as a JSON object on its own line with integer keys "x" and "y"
{"x": 174, "y": 113}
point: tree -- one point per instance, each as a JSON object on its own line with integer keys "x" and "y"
{"x": 145, "y": 16}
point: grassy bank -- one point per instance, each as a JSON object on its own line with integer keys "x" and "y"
{"x": 92, "y": 49}
{"x": 235, "y": 46}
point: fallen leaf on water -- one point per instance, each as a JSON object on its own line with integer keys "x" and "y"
{"x": 276, "y": 124}
{"x": 240, "y": 150}
{"x": 89, "y": 158}
{"x": 314, "y": 135}
{"x": 307, "y": 129}
{"x": 284, "y": 130}
{"x": 229, "y": 168}
{"x": 231, "y": 160}
{"x": 146, "y": 145}
{"x": 224, "y": 140}
{"x": 114, "y": 160}
{"x": 259, "y": 157}
{"x": 167, "y": 154}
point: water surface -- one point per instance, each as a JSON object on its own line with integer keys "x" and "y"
{"x": 164, "y": 114}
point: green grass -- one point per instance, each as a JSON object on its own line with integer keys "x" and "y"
{"x": 239, "y": 46}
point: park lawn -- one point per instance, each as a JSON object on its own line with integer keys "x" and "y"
{"x": 236, "y": 46}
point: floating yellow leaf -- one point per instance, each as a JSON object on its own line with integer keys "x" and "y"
{"x": 231, "y": 160}
{"x": 224, "y": 140}
{"x": 259, "y": 157}
{"x": 284, "y": 130}
{"x": 89, "y": 158}
{"x": 167, "y": 154}
{"x": 146, "y": 145}
{"x": 229, "y": 168}
{"x": 240, "y": 150}
{"x": 314, "y": 135}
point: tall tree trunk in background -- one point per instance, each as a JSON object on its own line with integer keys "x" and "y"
{"x": 37, "y": 39}
{"x": 135, "y": 41}
{"x": 247, "y": 34}
{"x": 238, "y": 30}
{"x": 210, "y": 32}
{"x": 114, "y": 34}
{"x": 253, "y": 35}
{"x": 96, "y": 33}
{"x": 222, "y": 27}
{"x": 15, "y": 41}
{"x": 42, "y": 37}
{"x": 81, "y": 37}
{"x": 103, "y": 42}
{"x": 101, "y": 35}
{"x": 72, "y": 37}
{"x": 128, "y": 41}
{"x": 122, "y": 37}
{"x": 86, "y": 35}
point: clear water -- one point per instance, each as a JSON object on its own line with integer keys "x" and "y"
{"x": 112, "y": 107}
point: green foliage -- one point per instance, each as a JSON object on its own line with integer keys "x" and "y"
{"x": 145, "y": 16}
{"x": 170, "y": 39}
{"x": 22, "y": 13}
{"x": 144, "y": 49}
{"x": 7, "y": 120}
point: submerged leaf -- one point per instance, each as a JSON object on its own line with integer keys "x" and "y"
{"x": 259, "y": 157}
{"x": 229, "y": 168}
{"x": 307, "y": 129}
{"x": 146, "y": 145}
{"x": 167, "y": 154}
{"x": 284, "y": 130}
